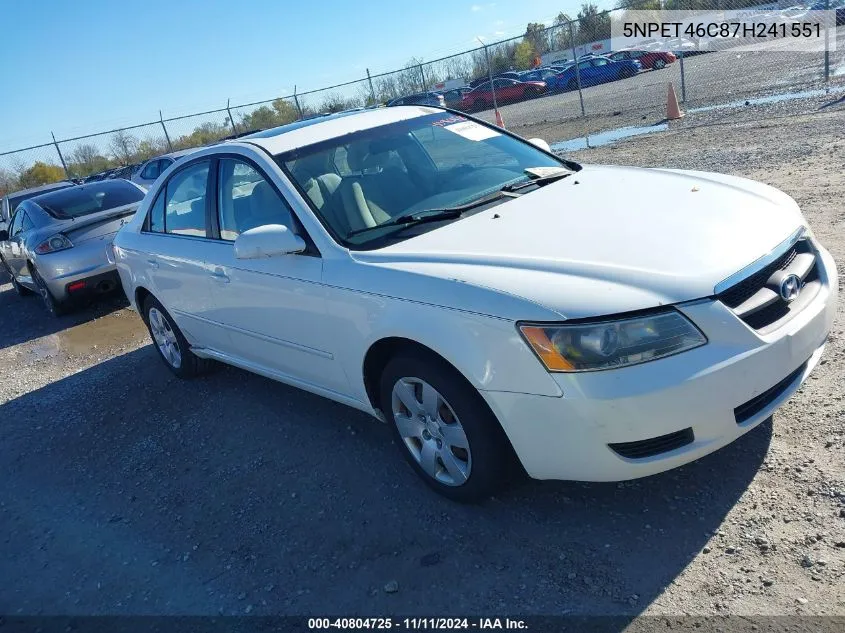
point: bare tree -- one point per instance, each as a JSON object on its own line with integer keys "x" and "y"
{"x": 124, "y": 146}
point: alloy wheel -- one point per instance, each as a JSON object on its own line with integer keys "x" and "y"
{"x": 165, "y": 338}
{"x": 431, "y": 431}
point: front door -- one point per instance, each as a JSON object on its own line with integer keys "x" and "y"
{"x": 273, "y": 308}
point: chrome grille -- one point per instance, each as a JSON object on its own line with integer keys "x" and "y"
{"x": 756, "y": 299}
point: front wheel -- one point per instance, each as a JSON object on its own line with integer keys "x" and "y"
{"x": 658, "y": 64}
{"x": 572, "y": 84}
{"x": 444, "y": 428}
{"x": 480, "y": 104}
{"x": 170, "y": 343}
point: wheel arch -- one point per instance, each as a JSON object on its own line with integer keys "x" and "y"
{"x": 141, "y": 294}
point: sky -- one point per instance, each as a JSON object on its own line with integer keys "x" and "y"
{"x": 75, "y": 68}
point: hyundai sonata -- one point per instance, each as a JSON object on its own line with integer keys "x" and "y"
{"x": 486, "y": 298}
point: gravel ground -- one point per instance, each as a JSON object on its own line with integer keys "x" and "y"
{"x": 712, "y": 79}
{"x": 126, "y": 491}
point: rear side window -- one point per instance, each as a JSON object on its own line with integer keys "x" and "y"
{"x": 184, "y": 202}
{"x": 156, "y": 217}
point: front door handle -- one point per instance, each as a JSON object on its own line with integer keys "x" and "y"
{"x": 220, "y": 276}
{"x": 153, "y": 263}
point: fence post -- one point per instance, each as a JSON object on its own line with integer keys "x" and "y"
{"x": 61, "y": 158}
{"x": 490, "y": 74}
{"x": 422, "y": 75}
{"x": 372, "y": 92}
{"x": 166, "y": 135}
{"x": 683, "y": 77}
{"x": 827, "y": 44}
{"x": 231, "y": 120}
{"x": 577, "y": 72}
{"x": 296, "y": 101}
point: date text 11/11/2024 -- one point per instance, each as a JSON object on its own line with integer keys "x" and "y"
{"x": 417, "y": 624}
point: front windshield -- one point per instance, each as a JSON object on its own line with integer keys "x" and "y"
{"x": 438, "y": 161}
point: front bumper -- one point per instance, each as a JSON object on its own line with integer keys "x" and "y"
{"x": 569, "y": 437}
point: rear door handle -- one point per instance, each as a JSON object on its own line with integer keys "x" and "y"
{"x": 220, "y": 276}
{"x": 153, "y": 263}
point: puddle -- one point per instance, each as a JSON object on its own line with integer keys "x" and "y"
{"x": 108, "y": 332}
{"x": 779, "y": 98}
{"x": 605, "y": 138}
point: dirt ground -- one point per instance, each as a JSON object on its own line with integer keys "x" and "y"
{"x": 126, "y": 491}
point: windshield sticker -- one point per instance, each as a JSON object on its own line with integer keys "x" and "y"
{"x": 448, "y": 120}
{"x": 472, "y": 130}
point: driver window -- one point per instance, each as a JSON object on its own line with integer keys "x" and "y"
{"x": 247, "y": 200}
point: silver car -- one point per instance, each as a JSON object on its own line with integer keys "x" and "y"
{"x": 147, "y": 173}
{"x": 10, "y": 201}
{"x": 58, "y": 244}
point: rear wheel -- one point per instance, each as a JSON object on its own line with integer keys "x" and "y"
{"x": 628, "y": 71}
{"x": 170, "y": 343}
{"x": 479, "y": 104}
{"x": 54, "y": 307}
{"x": 572, "y": 84}
{"x": 444, "y": 428}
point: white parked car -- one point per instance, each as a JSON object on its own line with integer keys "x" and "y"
{"x": 485, "y": 298}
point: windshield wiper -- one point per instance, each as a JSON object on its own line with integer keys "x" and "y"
{"x": 435, "y": 215}
{"x": 539, "y": 182}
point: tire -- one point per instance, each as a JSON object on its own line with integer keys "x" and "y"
{"x": 530, "y": 93}
{"x": 54, "y": 307}
{"x": 658, "y": 64}
{"x": 469, "y": 473}
{"x": 572, "y": 84}
{"x": 171, "y": 345}
{"x": 21, "y": 290}
{"x": 479, "y": 104}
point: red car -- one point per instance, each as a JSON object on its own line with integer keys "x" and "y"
{"x": 649, "y": 59}
{"x": 507, "y": 91}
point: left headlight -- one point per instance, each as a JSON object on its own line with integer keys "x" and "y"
{"x": 57, "y": 242}
{"x": 608, "y": 344}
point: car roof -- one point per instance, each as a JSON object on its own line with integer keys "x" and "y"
{"x": 45, "y": 188}
{"x": 309, "y": 131}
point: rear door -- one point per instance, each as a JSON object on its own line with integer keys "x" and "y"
{"x": 273, "y": 308}
{"x": 177, "y": 249}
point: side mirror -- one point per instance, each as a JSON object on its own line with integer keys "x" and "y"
{"x": 270, "y": 240}
{"x": 541, "y": 144}
{"x": 4, "y": 235}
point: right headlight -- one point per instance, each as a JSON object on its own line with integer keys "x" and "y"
{"x": 612, "y": 343}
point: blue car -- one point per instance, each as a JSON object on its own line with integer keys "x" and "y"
{"x": 595, "y": 70}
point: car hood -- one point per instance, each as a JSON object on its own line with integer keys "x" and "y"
{"x": 606, "y": 240}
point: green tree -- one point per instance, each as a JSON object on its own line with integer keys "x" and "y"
{"x": 592, "y": 25}
{"x": 264, "y": 117}
{"x": 537, "y": 35}
{"x": 208, "y": 132}
{"x": 40, "y": 174}
{"x": 523, "y": 55}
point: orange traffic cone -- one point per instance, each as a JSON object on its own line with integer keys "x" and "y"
{"x": 499, "y": 120}
{"x": 673, "y": 110}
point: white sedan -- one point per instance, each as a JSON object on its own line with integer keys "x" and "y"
{"x": 493, "y": 303}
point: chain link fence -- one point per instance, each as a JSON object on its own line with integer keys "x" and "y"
{"x": 576, "y": 99}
